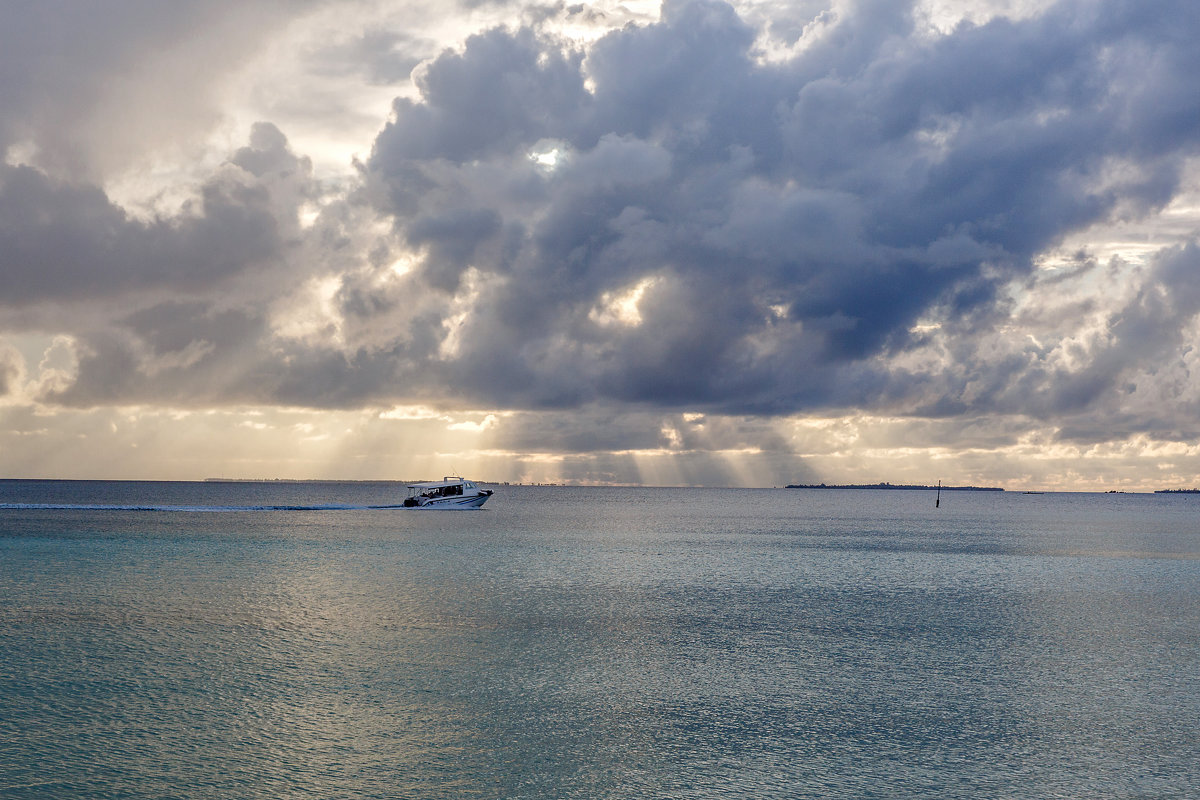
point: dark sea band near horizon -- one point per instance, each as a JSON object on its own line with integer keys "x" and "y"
{"x": 295, "y": 640}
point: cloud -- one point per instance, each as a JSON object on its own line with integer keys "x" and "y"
{"x": 12, "y": 368}
{"x": 741, "y": 215}
{"x": 795, "y": 219}
{"x": 1095, "y": 371}
{"x": 171, "y": 309}
{"x": 88, "y": 90}
{"x": 67, "y": 242}
{"x": 1141, "y": 375}
{"x": 383, "y": 57}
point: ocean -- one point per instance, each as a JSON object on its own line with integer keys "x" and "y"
{"x": 291, "y": 640}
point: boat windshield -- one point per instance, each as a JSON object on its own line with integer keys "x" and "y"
{"x": 440, "y": 490}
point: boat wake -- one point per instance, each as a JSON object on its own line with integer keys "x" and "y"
{"x": 185, "y": 508}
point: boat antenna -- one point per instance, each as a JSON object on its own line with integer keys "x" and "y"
{"x": 938, "y": 502}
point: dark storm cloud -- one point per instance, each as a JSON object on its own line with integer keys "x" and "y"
{"x": 197, "y": 355}
{"x": 73, "y": 261}
{"x": 178, "y": 353}
{"x": 64, "y": 242}
{"x": 504, "y": 91}
{"x": 794, "y": 219}
{"x": 61, "y": 241}
{"x": 660, "y": 220}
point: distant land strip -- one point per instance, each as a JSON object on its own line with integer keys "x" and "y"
{"x": 893, "y": 486}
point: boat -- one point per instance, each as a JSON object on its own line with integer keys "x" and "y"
{"x": 450, "y": 492}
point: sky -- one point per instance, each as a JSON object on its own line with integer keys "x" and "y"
{"x": 744, "y": 243}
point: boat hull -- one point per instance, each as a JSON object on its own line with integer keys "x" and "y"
{"x": 456, "y": 502}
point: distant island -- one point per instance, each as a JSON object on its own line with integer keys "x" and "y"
{"x": 886, "y": 485}
{"x": 1177, "y": 491}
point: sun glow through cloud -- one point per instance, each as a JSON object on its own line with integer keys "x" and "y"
{"x": 621, "y": 308}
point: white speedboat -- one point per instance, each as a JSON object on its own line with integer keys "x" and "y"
{"x": 450, "y": 492}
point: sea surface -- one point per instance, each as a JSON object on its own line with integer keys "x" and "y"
{"x": 292, "y": 640}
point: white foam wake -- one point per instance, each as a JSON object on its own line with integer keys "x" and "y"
{"x": 187, "y": 508}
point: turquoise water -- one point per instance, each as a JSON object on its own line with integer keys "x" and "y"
{"x": 288, "y": 641}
